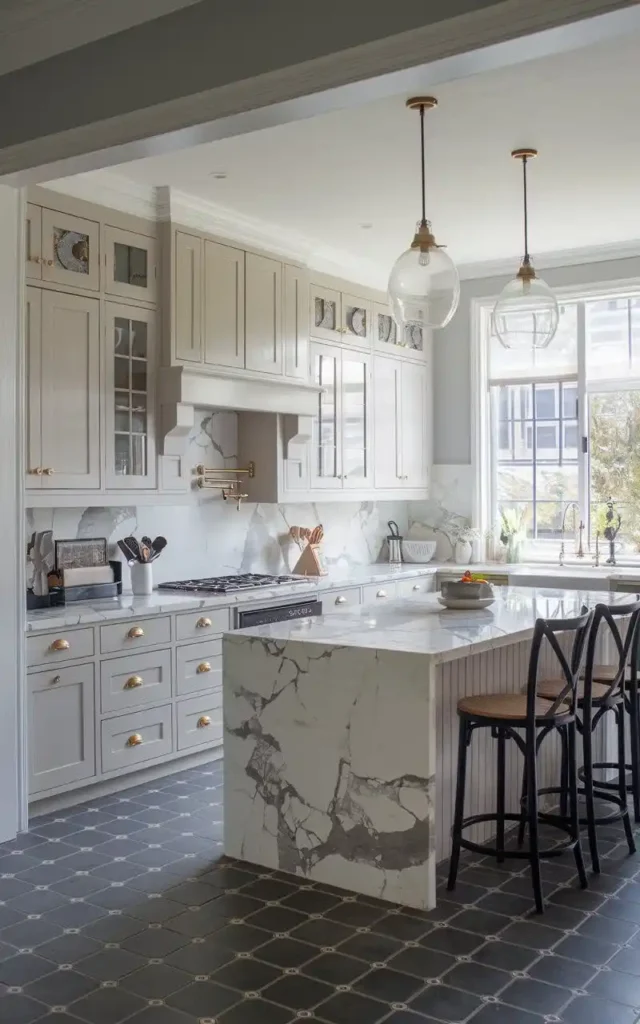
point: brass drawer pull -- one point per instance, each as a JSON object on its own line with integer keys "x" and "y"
{"x": 133, "y": 682}
{"x": 49, "y": 471}
{"x": 381, "y": 593}
{"x": 60, "y": 645}
{"x": 204, "y": 666}
{"x": 341, "y": 600}
{"x": 135, "y": 632}
{"x": 204, "y": 722}
{"x": 56, "y": 679}
{"x": 203, "y": 623}
{"x": 135, "y": 740}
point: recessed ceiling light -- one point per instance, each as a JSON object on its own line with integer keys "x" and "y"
{"x": 367, "y": 226}
{"x": 218, "y": 175}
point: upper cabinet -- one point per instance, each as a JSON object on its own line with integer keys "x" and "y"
{"x": 130, "y": 396}
{"x": 187, "y": 298}
{"x": 341, "y": 430}
{"x": 296, "y": 322}
{"x": 263, "y": 314}
{"x": 63, "y": 376}
{"x": 389, "y": 339}
{"x": 224, "y": 305}
{"x": 130, "y": 263}
{"x": 340, "y": 316}
{"x": 402, "y": 425}
{"x": 69, "y": 248}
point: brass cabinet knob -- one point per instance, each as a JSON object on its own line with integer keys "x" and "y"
{"x": 203, "y": 623}
{"x": 56, "y": 679}
{"x": 60, "y": 645}
{"x": 341, "y": 600}
{"x": 135, "y": 740}
{"x": 48, "y": 471}
{"x": 204, "y": 666}
{"x": 381, "y": 593}
{"x": 135, "y": 632}
{"x": 133, "y": 682}
{"x": 48, "y": 262}
{"x": 204, "y": 722}
{"x": 38, "y": 471}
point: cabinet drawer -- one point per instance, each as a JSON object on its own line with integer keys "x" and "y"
{"x": 200, "y": 720}
{"x": 340, "y": 601}
{"x": 136, "y": 679}
{"x": 57, "y": 648}
{"x": 133, "y": 634}
{"x": 130, "y": 739}
{"x": 199, "y": 667}
{"x": 202, "y": 624}
{"x": 409, "y": 588}
{"x": 378, "y": 593}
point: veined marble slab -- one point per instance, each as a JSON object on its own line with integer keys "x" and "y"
{"x": 329, "y": 772}
{"x": 163, "y": 602}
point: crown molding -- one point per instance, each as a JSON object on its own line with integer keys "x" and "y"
{"x": 108, "y": 188}
{"x": 551, "y": 260}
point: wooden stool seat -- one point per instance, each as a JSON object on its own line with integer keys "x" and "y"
{"x": 552, "y": 688}
{"x": 604, "y": 673}
{"x": 511, "y": 707}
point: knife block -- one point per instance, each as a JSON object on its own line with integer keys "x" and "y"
{"x": 309, "y": 563}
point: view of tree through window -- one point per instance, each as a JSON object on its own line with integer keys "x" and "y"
{"x": 565, "y": 424}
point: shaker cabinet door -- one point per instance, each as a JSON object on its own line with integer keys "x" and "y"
{"x": 326, "y": 445}
{"x": 70, "y": 250}
{"x": 263, "y": 313}
{"x": 415, "y": 427}
{"x": 33, "y": 243}
{"x": 387, "y": 422}
{"x": 70, "y": 392}
{"x": 33, "y": 360}
{"x": 187, "y": 288}
{"x": 61, "y": 727}
{"x": 130, "y": 396}
{"x": 130, "y": 264}
{"x": 357, "y": 469}
{"x": 325, "y": 319}
{"x": 223, "y": 305}
{"x": 296, "y": 322}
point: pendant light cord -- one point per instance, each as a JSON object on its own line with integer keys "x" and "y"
{"x": 424, "y": 207}
{"x": 527, "y": 258}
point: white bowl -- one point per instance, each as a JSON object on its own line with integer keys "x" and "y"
{"x": 418, "y": 550}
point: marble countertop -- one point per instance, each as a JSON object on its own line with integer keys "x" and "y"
{"x": 163, "y": 602}
{"x": 420, "y": 625}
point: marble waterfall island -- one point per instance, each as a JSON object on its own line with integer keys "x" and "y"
{"x": 340, "y": 736}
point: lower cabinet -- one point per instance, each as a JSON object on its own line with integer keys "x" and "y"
{"x": 200, "y": 720}
{"x": 61, "y": 727}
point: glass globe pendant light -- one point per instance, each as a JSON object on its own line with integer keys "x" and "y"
{"x": 526, "y": 313}
{"x": 424, "y": 287}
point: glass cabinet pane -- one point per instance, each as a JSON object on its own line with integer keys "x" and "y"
{"x": 130, "y": 265}
{"x": 131, "y": 386}
{"x": 354, "y": 418}
{"x": 326, "y": 371}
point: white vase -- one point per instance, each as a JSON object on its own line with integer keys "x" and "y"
{"x": 142, "y": 578}
{"x": 462, "y": 552}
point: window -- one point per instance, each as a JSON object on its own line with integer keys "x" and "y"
{"x": 561, "y": 426}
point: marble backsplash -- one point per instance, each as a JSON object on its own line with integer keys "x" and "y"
{"x": 208, "y": 536}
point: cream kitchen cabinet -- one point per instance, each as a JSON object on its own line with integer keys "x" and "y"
{"x": 63, "y": 379}
{"x": 62, "y": 249}
{"x": 224, "y": 305}
{"x": 61, "y": 727}
{"x": 131, "y": 264}
{"x": 296, "y": 322}
{"x": 390, "y": 340}
{"x": 187, "y": 291}
{"x": 401, "y": 424}
{"x": 263, "y": 314}
{"x": 130, "y": 337}
{"x": 341, "y": 430}
{"x": 340, "y": 316}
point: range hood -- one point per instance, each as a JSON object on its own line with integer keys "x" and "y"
{"x": 182, "y": 390}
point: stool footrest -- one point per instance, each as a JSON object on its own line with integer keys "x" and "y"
{"x": 520, "y": 853}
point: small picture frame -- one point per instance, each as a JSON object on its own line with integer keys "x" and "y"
{"x": 81, "y": 554}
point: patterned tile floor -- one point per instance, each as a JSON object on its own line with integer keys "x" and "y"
{"x": 123, "y": 909}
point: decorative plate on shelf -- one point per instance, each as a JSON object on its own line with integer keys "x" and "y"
{"x": 358, "y": 322}
{"x": 325, "y": 314}
{"x": 71, "y": 250}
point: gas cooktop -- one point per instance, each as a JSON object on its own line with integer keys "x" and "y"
{"x": 228, "y": 584}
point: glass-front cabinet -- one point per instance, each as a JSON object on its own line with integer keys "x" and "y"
{"x": 130, "y": 261}
{"x": 341, "y": 447}
{"x": 130, "y": 379}
{"x": 62, "y": 249}
{"x": 389, "y": 338}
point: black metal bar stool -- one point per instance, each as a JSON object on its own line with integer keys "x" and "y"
{"x": 508, "y": 715}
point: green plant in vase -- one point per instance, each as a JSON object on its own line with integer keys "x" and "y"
{"x": 513, "y": 532}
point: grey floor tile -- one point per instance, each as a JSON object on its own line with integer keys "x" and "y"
{"x": 478, "y": 978}
{"x": 423, "y": 963}
{"x": 445, "y": 1003}
{"x": 590, "y": 1010}
{"x": 68, "y": 949}
{"x": 246, "y": 975}
{"x": 347, "y": 1007}
{"x": 24, "y": 967}
{"x": 254, "y": 1011}
{"x": 388, "y": 985}
{"x": 616, "y": 986}
{"x": 111, "y": 964}
{"x": 535, "y": 996}
{"x": 505, "y": 956}
{"x": 204, "y": 999}
{"x": 558, "y": 970}
{"x": 107, "y": 1006}
{"x": 20, "y": 1009}
{"x": 287, "y": 952}
{"x": 60, "y": 988}
{"x": 452, "y": 940}
{"x": 156, "y": 981}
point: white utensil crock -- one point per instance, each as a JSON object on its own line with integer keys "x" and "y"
{"x": 142, "y": 578}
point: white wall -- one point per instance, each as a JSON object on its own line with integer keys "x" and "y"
{"x": 452, "y": 350}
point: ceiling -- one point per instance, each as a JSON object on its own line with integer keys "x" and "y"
{"x": 32, "y": 30}
{"x": 326, "y": 177}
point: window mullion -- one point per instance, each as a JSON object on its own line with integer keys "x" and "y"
{"x": 583, "y": 457}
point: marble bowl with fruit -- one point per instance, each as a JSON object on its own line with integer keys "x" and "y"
{"x": 470, "y": 591}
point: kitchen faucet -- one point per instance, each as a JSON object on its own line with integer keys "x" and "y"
{"x": 580, "y": 551}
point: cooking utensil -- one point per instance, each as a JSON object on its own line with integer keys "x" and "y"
{"x": 158, "y": 547}
{"x": 42, "y": 557}
{"x": 134, "y": 547}
{"x": 394, "y": 543}
{"x": 130, "y": 555}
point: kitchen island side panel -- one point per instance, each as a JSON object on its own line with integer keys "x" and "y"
{"x": 329, "y": 764}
